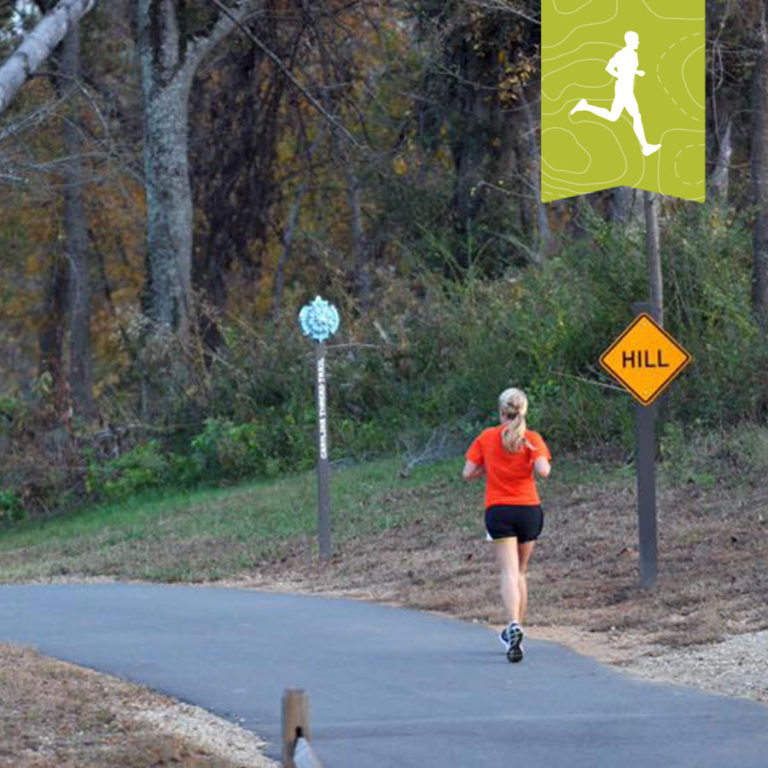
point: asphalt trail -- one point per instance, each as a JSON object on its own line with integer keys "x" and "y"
{"x": 387, "y": 686}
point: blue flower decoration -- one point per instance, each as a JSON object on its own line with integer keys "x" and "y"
{"x": 319, "y": 320}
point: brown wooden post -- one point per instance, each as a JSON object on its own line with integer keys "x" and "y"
{"x": 295, "y": 722}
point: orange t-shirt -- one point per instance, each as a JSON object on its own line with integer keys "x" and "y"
{"x": 508, "y": 476}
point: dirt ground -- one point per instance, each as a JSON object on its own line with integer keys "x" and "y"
{"x": 57, "y": 715}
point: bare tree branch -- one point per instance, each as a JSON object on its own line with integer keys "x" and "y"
{"x": 37, "y": 46}
{"x": 506, "y": 7}
{"x": 278, "y": 62}
{"x": 200, "y": 47}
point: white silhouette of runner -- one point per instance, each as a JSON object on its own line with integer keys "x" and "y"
{"x": 623, "y": 66}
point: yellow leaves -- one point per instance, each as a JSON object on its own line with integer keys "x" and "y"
{"x": 515, "y": 76}
{"x": 110, "y": 381}
{"x": 400, "y": 165}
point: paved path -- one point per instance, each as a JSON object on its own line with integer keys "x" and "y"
{"x": 388, "y": 687}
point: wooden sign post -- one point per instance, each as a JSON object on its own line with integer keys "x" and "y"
{"x": 645, "y": 360}
{"x": 320, "y": 320}
{"x": 645, "y": 468}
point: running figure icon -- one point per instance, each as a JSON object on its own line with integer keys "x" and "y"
{"x": 623, "y": 66}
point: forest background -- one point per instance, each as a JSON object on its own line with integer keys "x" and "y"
{"x": 179, "y": 178}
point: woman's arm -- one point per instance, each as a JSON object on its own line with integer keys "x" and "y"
{"x": 472, "y": 471}
{"x": 541, "y": 464}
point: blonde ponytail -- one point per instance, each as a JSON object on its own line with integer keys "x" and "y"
{"x": 513, "y": 405}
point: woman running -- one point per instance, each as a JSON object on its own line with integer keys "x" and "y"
{"x": 508, "y": 456}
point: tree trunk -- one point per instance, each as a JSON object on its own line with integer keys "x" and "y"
{"x": 543, "y": 232}
{"x": 169, "y": 207}
{"x": 653, "y": 255}
{"x": 278, "y": 285}
{"x": 469, "y": 141}
{"x": 165, "y": 88}
{"x": 38, "y": 45}
{"x": 759, "y": 169}
{"x": 621, "y": 205}
{"x": 53, "y": 328}
{"x": 169, "y": 61}
{"x": 76, "y": 240}
{"x": 359, "y": 240}
{"x": 719, "y": 178}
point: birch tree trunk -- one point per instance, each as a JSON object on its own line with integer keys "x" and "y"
{"x": 653, "y": 255}
{"x": 759, "y": 169}
{"x": 719, "y": 178}
{"x": 38, "y": 45}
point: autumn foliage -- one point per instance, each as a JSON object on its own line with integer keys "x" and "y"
{"x": 382, "y": 155}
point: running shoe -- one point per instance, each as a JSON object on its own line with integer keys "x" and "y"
{"x": 514, "y": 643}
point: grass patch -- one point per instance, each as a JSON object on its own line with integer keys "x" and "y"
{"x": 216, "y": 533}
{"x": 219, "y": 533}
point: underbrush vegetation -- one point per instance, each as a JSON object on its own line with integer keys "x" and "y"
{"x": 419, "y": 373}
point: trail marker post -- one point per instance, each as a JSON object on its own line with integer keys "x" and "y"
{"x": 645, "y": 360}
{"x": 320, "y": 320}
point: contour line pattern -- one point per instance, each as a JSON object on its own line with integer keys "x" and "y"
{"x": 666, "y": 90}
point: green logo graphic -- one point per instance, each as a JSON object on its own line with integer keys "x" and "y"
{"x": 622, "y": 97}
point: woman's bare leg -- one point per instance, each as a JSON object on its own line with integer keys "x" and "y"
{"x": 507, "y": 558}
{"x": 524, "y": 552}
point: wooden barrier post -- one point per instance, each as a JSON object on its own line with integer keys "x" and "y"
{"x": 295, "y": 722}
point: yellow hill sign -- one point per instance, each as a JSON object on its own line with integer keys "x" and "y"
{"x": 645, "y": 359}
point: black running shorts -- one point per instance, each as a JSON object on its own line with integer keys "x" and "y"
{"x": 522, "y": 521}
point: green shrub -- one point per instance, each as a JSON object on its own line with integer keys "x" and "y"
{"x": 224, "y": 450}
{"x": 11, "y": 507}
{"x": 144, "y": 467}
